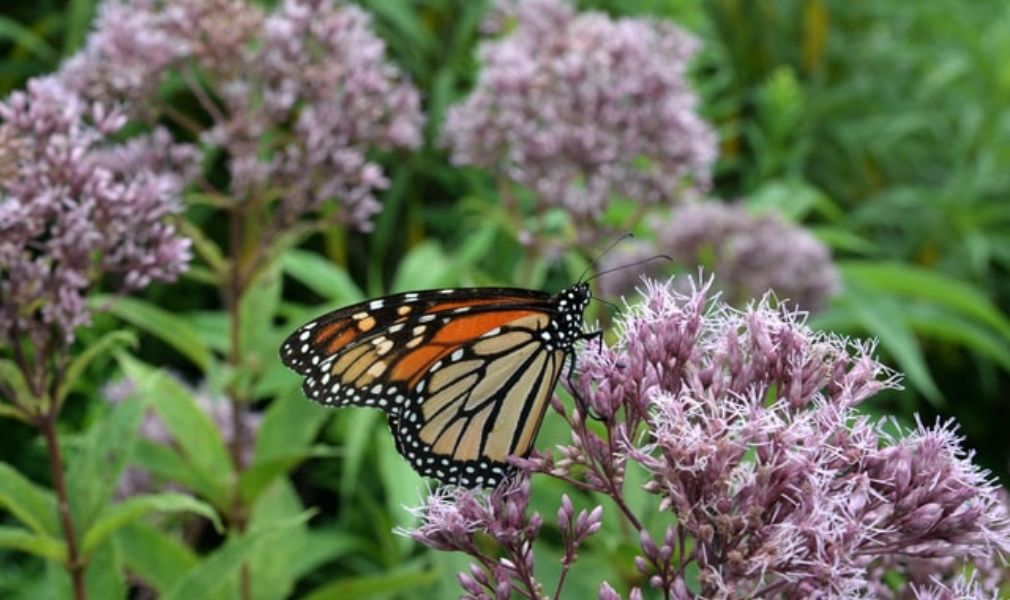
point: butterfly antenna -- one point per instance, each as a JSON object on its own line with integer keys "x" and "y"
{"x": 637, "y": 263}
{"x": 600, "y": 256}
{"x": 606, "y": 302}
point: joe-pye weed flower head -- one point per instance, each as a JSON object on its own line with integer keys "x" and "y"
{"x": 296, "y": 97}
{"x": 767, "y": 480}
{"x": 581, "y": 109}
{"x": 78, "y": 209}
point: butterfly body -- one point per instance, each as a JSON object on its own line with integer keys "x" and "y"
{"x": 464, "y": 375}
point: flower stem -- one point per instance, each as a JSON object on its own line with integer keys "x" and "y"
{"x": 75, "y": 563}
{"x": 233, "y": 297}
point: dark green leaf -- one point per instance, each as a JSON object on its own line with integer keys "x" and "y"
{"x": 259, "y": 475}
{"x": 154, "y": 556}
{"x": 882, "y": 317}
{"x": 31, "y": 504}
{"x": 41, "y": 545}
{"x": 19, "y": 35}
{"x": 322, "y": 276}
{"x": 95, "y": 467}
{"x": 368, "y": 587}
{"x": 160, "y": 323}
{"x": 131, "y": 509}
{"x": 197, "y": 436}
{"x": 215, "y": 570}
{"x": 106, "y": 343}
{"x": 288, "y": 425}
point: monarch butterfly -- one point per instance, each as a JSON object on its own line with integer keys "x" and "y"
{"x": 464, "y": 375}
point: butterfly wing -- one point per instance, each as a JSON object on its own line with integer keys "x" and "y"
{"x": 373, "y": 353}
{"x": 464, "y": 375}
{"x": 481, "y": 405}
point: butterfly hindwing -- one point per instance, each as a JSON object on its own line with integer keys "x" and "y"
{"x": 483, "y": 404}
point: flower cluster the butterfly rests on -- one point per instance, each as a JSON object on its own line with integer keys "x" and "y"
{"x": 464, "y": 375}
{"x": 765, "y": 479}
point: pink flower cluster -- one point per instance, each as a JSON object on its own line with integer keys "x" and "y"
{"x": 749, "y": 254}
{"x": 78, "y": 209}
{"x": 767, "y": 480}
{"x": 582, "y": 109}
{"x": 296, "y": 97}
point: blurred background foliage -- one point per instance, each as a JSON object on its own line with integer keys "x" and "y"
{"x": 882, "y": 126}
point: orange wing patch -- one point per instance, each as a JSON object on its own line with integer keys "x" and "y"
{"x": 412, "y": 366}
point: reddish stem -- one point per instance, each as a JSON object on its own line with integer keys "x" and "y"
{"x": 75, "y": 563}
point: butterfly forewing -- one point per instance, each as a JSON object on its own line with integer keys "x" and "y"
{"x": 465, "y": 375}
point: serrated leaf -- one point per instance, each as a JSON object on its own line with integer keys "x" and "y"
{"x": 95, "y": 467}
{"x": 196, "y": 435}
{"x": 214, "y": 571}
{"x": 164, "y": 463}
{"x": 95, "y": 349}
{"x": 11, "y": 375}
{"x": 883, "y": 318}
{"x": 365, "y": 587}
{"x": 916, "y": 282}
{"x": 259, "y": 475}
{"x": 156, "y": 557}
{"x": 19, "y": 35}
{"x": 41, "y": 545}
{"x": 105, "y": 577}
{"x": 131, "y": 509}
{"x": 288, "y": 425}
{"x": 425, "y": 266}
{"x": 257, "y": 309}
{"x": 360, "y": 428}
{"x": 31, "y": 504}
{"x": 206, "y": 248}
{"x": 165, "y": 326}
{"x": 322, "y": 277}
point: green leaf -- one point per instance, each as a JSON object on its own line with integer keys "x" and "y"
{"x": 793, "y": 198}
{"x": 11, "y": 375}
{"x": 426, "y": 266}
{"x": 215, "y": 570}
{"x": 78, "y": 14}
{"x": 160, "y": 323}
{"x": 196, "y": 435}
{"x": 257, "y": 309}
{"x": 322, "y": 277}
{"x": 95, "y": 467}
{"x": 277, "y": 567}
{"x": 843, "y": 239}
{"x": 288, "y": 425}
{"x": 404, "y": 487}
{"x": 155, "y": 556}
{"x": 105, "y": 577}
{"x": 131, "y": 509}
{"x": 77, "y": 366}
{"x": 360, "y": 427}
{"x": 31, "y": 504}
{"x": 262, "y": 473}
{"x": 367, "y": 587}
{"x": 19, "y": 35}
{"x": 206, "y": 248}
{"x": 941, "y": 325}
{"x": 41, "y": 545}
{"x": 882, "y": 316}
{"x": 165, "y": 463}
{"x": 916, "y": 282}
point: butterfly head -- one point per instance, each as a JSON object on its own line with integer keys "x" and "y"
{"x": 570, "y": 304}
